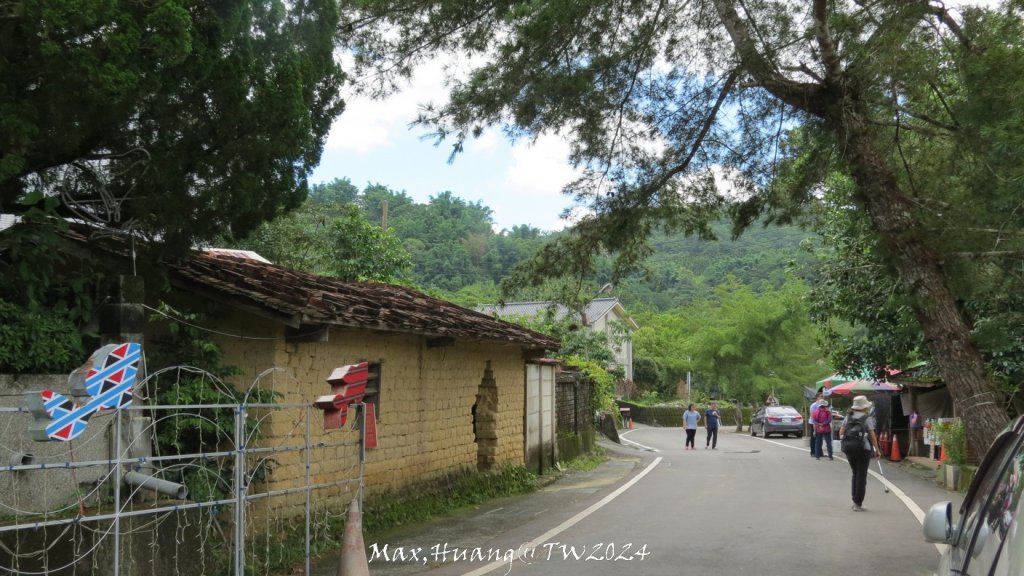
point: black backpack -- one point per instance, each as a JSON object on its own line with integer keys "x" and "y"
{"x": 853, "y": 436}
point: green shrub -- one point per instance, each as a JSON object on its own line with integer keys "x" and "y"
{"x": 604, "y": 382}
{"x": 671, "y": 414}
{"x": 953, "y": 437}
{"x": 37, "y": 342}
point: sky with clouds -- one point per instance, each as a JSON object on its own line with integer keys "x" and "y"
{"x": 372, "y": 143}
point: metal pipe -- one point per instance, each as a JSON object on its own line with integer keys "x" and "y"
{"x": 22, "y": 458}
{"x": 167, "y": 487}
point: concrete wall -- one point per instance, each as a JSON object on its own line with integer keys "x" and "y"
{"x": 425, "y": 425}
{"x": 36, "y": 491}
{"x": 623, "y": 353}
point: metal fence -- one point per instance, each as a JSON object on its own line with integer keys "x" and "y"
{"x": 224, "y": 484}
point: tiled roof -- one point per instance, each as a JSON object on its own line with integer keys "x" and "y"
{"x": 299, "y": 298}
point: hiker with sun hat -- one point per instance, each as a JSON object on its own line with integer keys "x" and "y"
{"x": 857, "y": 434}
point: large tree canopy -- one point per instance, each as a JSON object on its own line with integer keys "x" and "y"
{"x": 178, "y": 119}
{"x": 677, "y": 109}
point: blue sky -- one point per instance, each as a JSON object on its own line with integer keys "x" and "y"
{"x": 371, "y": 142}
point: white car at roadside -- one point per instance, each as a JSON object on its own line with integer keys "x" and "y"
{"x": 987, "y": 538}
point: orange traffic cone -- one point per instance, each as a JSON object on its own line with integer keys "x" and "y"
{"x": 630, "y": 423}
{"x": 353, "y": 551}
{"x": 895, "y": 454}
{"x": 942, "y": 455}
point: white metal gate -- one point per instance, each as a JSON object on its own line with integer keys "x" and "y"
{"x": 540, "y": 417}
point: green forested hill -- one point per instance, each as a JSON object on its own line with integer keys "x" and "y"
{"x": 730, "y": 313}
{"x": 456, "y": 252}
{"x": 684, "y": 269}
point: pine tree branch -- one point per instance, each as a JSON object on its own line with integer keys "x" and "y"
{"x": 829, "y": 57}
{"x": 940, "y": 12}
{"x": 802, "y": 96}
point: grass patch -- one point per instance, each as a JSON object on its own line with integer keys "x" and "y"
{"x": 388, "y": 511}
{"x": 586, "y": 462}
{"x": 385, "y": 512}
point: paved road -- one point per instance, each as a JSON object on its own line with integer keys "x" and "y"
{"x": 753, "y": 506}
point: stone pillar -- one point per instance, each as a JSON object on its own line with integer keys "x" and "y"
{"x": 487, "y": 421}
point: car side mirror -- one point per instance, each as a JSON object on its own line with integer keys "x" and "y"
{"x": 938, "y": 523}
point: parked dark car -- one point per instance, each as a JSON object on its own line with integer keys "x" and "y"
{"x": 783, "y": 420}
{"x": 988, "y": 537}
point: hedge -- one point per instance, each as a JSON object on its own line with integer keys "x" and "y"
{"x": 672, "y": 416}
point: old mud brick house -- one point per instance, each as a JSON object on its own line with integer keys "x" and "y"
{"x": 450, "y": 384}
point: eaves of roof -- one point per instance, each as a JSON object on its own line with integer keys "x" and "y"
{"x": 298, "y": 298}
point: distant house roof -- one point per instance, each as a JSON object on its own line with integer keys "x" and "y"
{"x": 595, "y": 310}
{"x": 301, "y": 299}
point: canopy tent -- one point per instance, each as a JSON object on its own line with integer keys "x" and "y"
{"x": 864, "y": 376}
{"x": 863, "y": 386}
{"x": 833, "y": 380}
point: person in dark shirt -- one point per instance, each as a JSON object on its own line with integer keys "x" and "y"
{"x": 711, "y": 419}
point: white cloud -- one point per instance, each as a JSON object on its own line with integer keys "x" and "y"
{"x": 367, "y": 125}
{"x": 488, "y": 142}
{"x": 521, "y": 183}
{"x": 541, "y": 167}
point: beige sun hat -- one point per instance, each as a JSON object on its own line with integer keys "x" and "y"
{"x": 861, "y": 403}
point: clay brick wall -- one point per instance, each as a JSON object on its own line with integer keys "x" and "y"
{"x": 424, "y": 428}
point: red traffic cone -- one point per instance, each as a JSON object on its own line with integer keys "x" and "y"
{"x": 895, "y": 454}
{"x": 353, "y": 551}
{"x": 942, "y": 455}
{"x": 630, "y": 423}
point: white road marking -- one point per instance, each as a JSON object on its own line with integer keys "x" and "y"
{"x": 623, "y": 438}
{"x": 547, "y": 536}
{"x": 910, "y": 504}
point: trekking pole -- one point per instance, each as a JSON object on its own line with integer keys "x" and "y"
{"x": 885, "y": 486}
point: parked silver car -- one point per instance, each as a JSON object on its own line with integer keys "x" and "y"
{"x": 989, "y": 535}
{"x": 783, "y": 420}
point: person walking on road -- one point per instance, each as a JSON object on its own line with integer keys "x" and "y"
{"x": 822, "y": 422}
{"x": 858, "y": 440}
{"x": 711, "y": 419}
{"x": 819, "y": 399}
{"x": 690, "y": 420}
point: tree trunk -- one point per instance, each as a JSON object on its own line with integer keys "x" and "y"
{"x": 946, "y": 330}
{"x": 837, "y": 100}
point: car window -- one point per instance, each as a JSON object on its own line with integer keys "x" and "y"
{"x": 985, "y": 517}
{"x": 998, "y": 516}
{"x": 782, "y": 411}
{"x": 1013, "y": 548}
